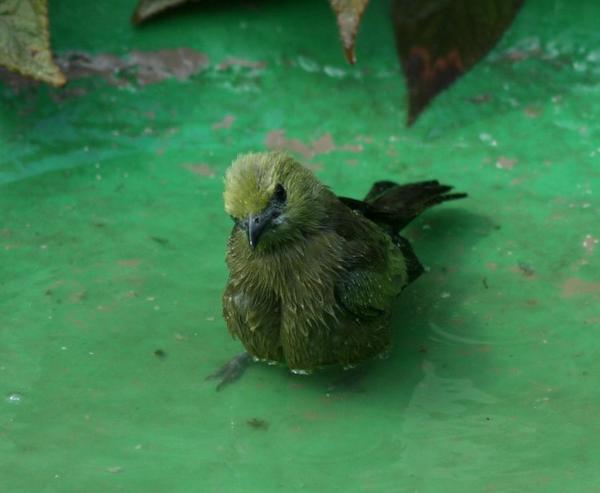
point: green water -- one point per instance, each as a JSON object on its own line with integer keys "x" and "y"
{"x": 112, "y": 242}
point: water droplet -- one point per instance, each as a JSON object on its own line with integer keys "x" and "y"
{"x": 14, "y": 398}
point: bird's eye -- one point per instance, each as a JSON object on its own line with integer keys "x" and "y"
{"x": 280, "y": 193}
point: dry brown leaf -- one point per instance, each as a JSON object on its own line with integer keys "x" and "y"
{"x": 149, "y": 8}
{"x": 440, "y": 40}
{"x": 25, "y": 40}
{"x": 349, "y": 14}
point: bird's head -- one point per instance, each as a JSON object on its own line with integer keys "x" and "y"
{"x": 274, "y": 198}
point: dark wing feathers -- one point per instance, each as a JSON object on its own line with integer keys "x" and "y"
{"x": 414, "y": 268}
{"x": 392, "y": 205}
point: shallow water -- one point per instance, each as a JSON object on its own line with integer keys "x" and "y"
{"x": 112, "y": 243}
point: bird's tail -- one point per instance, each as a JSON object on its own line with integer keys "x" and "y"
{"x": 397, "y": 205}
{"x": 394, "y": 206}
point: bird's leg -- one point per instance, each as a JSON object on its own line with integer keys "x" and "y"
{"x": 231, "y": 371}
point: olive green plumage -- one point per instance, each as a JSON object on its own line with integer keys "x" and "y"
{"x": 313, "y": 276}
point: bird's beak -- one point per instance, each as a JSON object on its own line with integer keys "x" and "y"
{"x": 256, "y": 226}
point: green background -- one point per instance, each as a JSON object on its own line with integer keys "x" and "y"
{"x": 112, "y": 240}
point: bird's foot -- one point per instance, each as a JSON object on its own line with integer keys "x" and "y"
{"x": 231, "y": 371}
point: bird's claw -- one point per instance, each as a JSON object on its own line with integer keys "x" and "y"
{"x": 230, "y": 371}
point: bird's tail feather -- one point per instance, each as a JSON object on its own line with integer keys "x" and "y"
{"x": 397, "y": 205}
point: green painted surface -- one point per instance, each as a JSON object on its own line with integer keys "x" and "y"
{"x": 112, "y": 243}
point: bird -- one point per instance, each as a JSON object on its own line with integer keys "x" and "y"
{"x": 313, "y": 276}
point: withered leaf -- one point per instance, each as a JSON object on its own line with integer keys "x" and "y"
{"x": 149, "y": 8}
{"x": 348, "y": 14}
{"x": 439, "y": 40}
{"x": 25, "y": 40}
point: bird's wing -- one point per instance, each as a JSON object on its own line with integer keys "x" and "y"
{"x": 374, "y": 268}
{"x": 364, "y": 293}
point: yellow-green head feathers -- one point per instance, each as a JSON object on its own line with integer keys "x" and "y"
{"x": 251, "y": 180}
{"x": 279, "y": 191}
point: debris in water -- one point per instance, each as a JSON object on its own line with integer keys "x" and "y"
{"x": 226, "y": 122}
{"x": 145, "y": 67}
{"x": 159, "y": 240}
{"x": 258, "y": 424}
{"x": 505, "y": 163}
{"x": 526, "y": 269}
{"x": 200, "y": 169}
{"x": 277, "y": 141}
